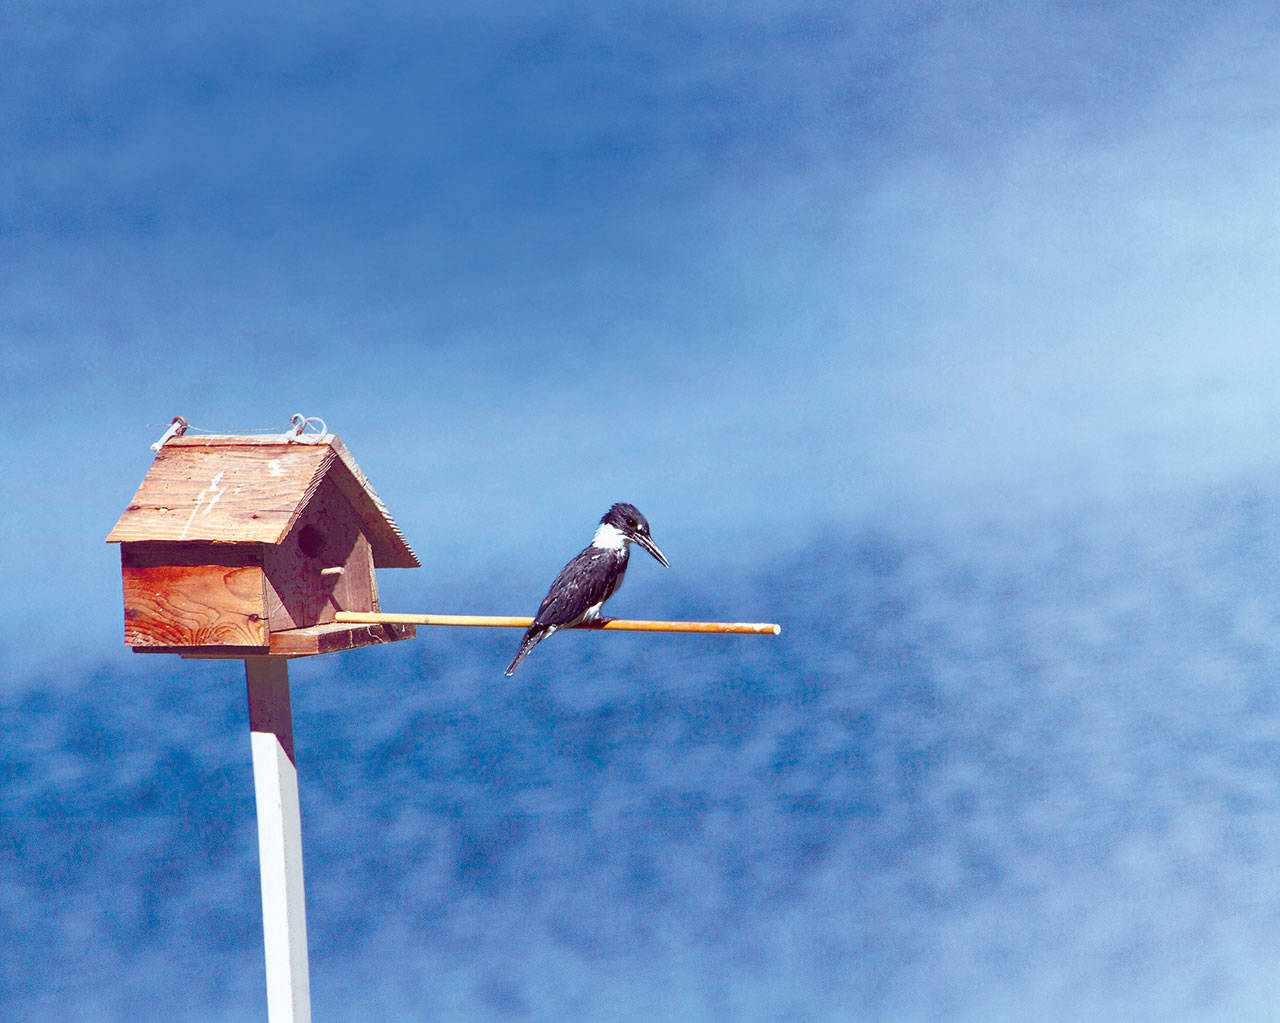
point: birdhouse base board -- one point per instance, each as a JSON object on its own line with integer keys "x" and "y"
{"x": 315, "y": 639}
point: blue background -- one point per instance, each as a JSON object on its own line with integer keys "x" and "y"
{"x": 943, "y": 334}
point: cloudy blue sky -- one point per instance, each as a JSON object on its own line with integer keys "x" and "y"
{"x": 764, "y": 269}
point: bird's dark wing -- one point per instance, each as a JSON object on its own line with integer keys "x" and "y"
{"x": 589, "y": 579}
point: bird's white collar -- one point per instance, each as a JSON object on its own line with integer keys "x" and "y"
{"x": 610, "y": 538}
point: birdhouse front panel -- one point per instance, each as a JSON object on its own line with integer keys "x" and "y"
{"x": 199, "y": 594}
{"x": 245, "y": 545}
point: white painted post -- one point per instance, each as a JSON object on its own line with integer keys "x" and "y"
{"x": 275, "y": 782}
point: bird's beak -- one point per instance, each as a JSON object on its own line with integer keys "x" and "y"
{"x": 652, "y": 548}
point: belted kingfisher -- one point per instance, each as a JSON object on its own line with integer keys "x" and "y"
{"x": 590, "y": 579}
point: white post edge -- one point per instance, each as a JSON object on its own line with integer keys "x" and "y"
{"x": 275, "y": 782}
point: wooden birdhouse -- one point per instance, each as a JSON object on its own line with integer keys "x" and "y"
{"x": 238, "y": 546}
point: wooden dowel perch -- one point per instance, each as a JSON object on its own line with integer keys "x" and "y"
{"x": 500, "y": 621}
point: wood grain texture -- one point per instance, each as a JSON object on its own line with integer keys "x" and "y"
{"x": 318, "y": 639}
{"x": 390, "y": 549}
{"x": 253, "y": 490}
{"x": 227, "y": 493}
{"x": 331, "y": 639}
{"x": 193, "y": 605}
{"x": 326, "y": 535}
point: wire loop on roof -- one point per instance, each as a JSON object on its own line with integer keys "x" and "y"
{"x": 296, "y": 433}
{"x": 299, "y": 422}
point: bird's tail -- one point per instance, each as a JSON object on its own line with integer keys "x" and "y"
{"x": 535, "y": 635}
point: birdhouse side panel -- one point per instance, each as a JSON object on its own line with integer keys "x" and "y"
{"x": 194, "y": 595}
{"x": 324, "y": 565}
{"x": 357, "y": 588}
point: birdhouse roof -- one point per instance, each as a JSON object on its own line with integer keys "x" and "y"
{"x": 251, "y": 489}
